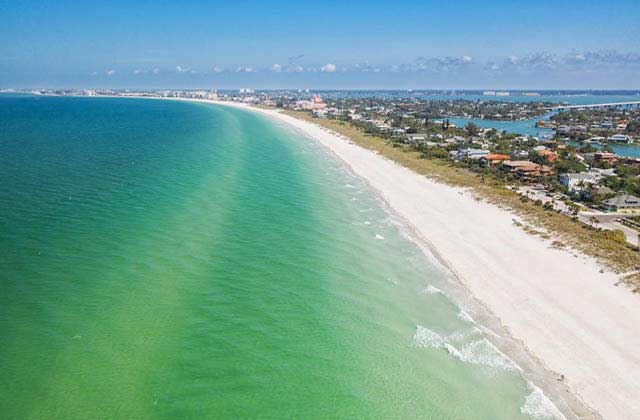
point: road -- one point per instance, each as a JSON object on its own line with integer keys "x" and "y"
{"x": 608, "y": 221}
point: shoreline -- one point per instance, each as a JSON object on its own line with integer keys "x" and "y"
{"x": 580, "y": 327}
{"x": 552, "y": 311}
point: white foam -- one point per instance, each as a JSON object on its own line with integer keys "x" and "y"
{"x": 462, "y": 335}
{"x": 464, "y": 316}
{"x": 432, "y": 290}
{"x": 424, "y": 337}
{"x": 482, "y": 352}
{"x": 478, "y": 352}
{"x": 378, "y": 236}
{"x": 538, "y": 406}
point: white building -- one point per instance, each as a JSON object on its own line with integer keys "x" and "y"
{"x": 577, "y": 181}
{"x": 620, "y": 138}
{"x": 472, "y": 153}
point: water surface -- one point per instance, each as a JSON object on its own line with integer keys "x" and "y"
{"x": 177, "y": 260}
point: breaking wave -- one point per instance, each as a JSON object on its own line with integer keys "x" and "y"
{"x": 479, "y": 351}
{"x": 538, "y": 406}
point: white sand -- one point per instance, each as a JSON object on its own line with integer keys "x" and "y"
{"x": 567, "y": 313}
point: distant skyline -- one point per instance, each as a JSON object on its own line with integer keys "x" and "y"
{"x": 329, "y": 45}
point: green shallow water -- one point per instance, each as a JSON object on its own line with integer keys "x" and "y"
{"x": 168, "y": 260}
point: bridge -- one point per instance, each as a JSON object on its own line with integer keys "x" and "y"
{"x": 629, "y": 104}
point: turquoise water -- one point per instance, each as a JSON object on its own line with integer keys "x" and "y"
{"x": 170, "y": 260}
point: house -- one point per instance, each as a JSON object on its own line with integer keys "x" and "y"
{"x": 606, "y": 124}
{"x": 525, "y": 168}
{"x": 623, "y": 204}
{"x": 550, "y": 155}
{"x": 416, "y": 138}
{"x": 397, "y": 132}
{"x": 472, "y": 154}
{"x": 577, "y": 181}
{"x": 619, "y": 138}
{"x": 603, "y": 172}
{"x": 496, "y": 158}
{"x": 595, "y": 140}
{"x": 319, "y": 113}
{"x": 520, "y": 154}
{"x": 607, "y": 157}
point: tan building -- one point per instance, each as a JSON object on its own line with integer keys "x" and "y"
{"x": 623, "y": 204}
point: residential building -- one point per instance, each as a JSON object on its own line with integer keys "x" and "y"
{"x": 472, "y": 153}
{"x": 623, "y": 204}
{"x": 416, "y": 138}
{"x": 578, "y": 181}
{"x": 525, "y": 168}
{"x": 607, "y": 157}
{"x": 549, "y": 154}
{"x": 496, "y": 158}
{"x": 619, "y": 138}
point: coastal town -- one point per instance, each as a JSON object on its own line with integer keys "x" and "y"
{"x": 573, "y": 170}
{"x": 320, "y": 210}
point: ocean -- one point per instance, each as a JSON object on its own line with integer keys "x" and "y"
{"x": 175, "y": 260}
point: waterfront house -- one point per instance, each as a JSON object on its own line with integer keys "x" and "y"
{"x": 619, "y": 138}
{"x": 595, "y": 140}
{"x": 625, "y": 203}
{"x": 607, "y": 157}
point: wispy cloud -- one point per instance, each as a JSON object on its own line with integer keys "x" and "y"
{"x": 529, "y": 64}
{"x": 328, "y": 68}
{"x": 294, "y": 59}
{"x": 547, "y": 61}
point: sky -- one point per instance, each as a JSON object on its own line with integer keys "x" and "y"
{"x": 321, "y": 45}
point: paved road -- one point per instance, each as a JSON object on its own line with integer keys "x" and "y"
{"x": 605, "y": 220}
{"x": 609, "y": 221}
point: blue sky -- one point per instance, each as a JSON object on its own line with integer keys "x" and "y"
{"x": 286, "y": 44}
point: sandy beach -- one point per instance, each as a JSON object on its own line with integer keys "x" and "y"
{"x": 564, "y": 309}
